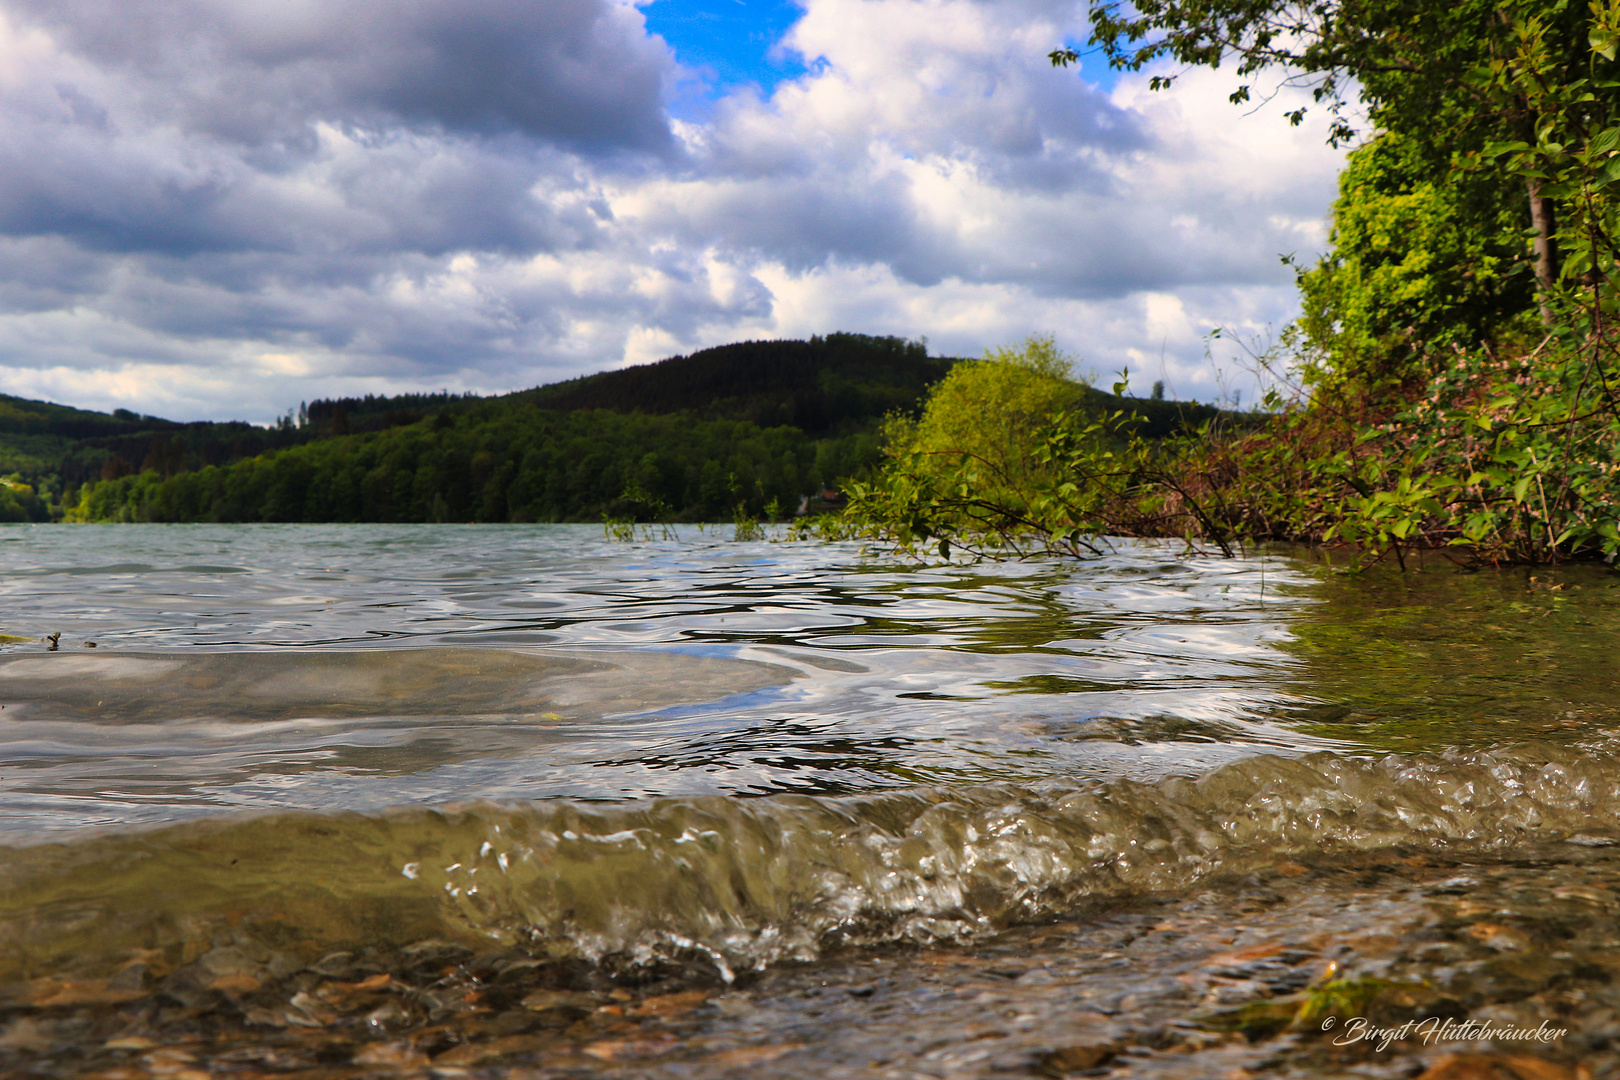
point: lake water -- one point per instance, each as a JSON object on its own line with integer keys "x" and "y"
{"x": 514, "y": 801}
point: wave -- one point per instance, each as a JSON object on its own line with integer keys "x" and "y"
{"x": 741, "y": 884}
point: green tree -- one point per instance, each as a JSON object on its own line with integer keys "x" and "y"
{"x": 1419, "y": 265}
{"x": 980, "y": 422}
{"x": 977, "y": 469}
{"x": 1415, "y": 65}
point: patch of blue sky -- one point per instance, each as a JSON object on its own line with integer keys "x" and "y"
{"x": 1093, "y": 64}
{"x": 730, "y": 43}
{"x": 736, "y": 43}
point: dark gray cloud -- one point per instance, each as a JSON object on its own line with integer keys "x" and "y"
{"x": 393, "y": 193}
{"x": 576, "y": 72}
{"x": 423, "y": 126}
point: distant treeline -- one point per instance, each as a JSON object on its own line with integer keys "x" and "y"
{"x": 741, "y": 427}
{"x": 54, "y": 448}
{"x": 499, "y": 463}
{"x": 749, "y": 428}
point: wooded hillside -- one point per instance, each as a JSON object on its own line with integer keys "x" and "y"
{"x": 745, "y": 429}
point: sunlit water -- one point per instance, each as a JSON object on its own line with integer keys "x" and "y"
{"x": 695, "y": 759}
{"x": 366, "y": 667}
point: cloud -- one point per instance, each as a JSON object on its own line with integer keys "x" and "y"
{"x": 937, "y": 141}
{"x": 579, "y": 72}
{"x": 217, "y": 208}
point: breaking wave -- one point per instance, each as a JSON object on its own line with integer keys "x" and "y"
{"x": 740, "y": 884}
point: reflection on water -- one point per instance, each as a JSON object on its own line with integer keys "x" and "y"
{"x": 362, "y": 667}
{"x": 178, "y": 730}
{"x": 1446, "y": 658}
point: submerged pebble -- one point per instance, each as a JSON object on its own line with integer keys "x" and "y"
{"x": 1377, "y": 966}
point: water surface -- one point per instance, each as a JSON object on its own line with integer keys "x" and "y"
{"x": 495, "y": 798}
{"x": 362, "y": 667}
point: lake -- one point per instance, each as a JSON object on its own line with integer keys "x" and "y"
{"x": 523, "y": 801}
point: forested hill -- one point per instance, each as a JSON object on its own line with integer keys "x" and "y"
{"x": 55, "y": 446}
{"x": 840, "y": 382}
{"x": 830, "y": 391}
{"x": 745, "y": 429}
{"x": 819, "y": 386}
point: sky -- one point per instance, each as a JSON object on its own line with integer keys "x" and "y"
{"x": 217, "y": 209}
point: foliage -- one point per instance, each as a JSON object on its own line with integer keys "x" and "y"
{"x": 1496, "y": 460}
{"x": 982, "y": 420}
{"x": 54, "y": 448}
{"x": 745, "y": 526}
{"x": 619, "y": 529}
{"x": 1515, "y": 457}
{"x": 1569, "y": 151}
{"x": 662, "y": 452}
{"x": 19, "y": 502}
{"x": 1422, "y": 261}
{"x": 969, "y": 467}
{"x": 1410, "y": 64}
{"x": 327, "y": 417}
{"x": 1009, "y": 455}
{"x": 1491, "y": 458}
{"x": 1429, "y": 414}
{"x": 1427, "y": 223}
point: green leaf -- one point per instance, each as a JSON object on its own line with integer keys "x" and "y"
{"x": 1604, "y": 141}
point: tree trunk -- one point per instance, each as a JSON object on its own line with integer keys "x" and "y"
{"x": 1543, "y": 222}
